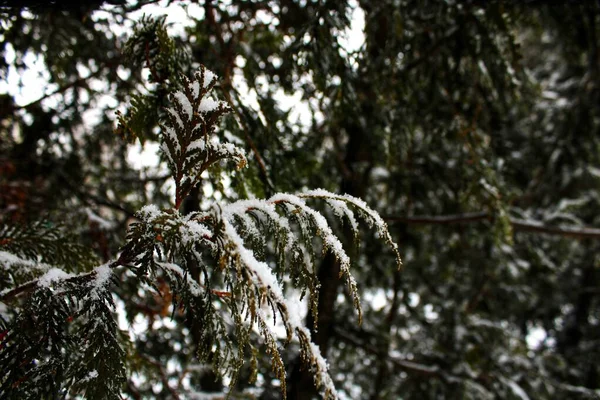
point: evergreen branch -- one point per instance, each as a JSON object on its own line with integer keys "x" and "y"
{"x": 236, "y": 237}
{"x": 37, "y": 353}
{"x": 187, "y": 133}
{"x": 260, "y": 274}
{"x": 517, "y": 224}
{"x": 10, "y": 295}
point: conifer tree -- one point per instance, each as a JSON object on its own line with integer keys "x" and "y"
{"x": 64, "y": 339}
{"x": 470, "y": 126}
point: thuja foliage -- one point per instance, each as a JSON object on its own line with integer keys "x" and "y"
{"x": 224, "y": 267}
{"x": 151, "y": 46}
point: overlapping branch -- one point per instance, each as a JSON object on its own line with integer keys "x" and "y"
{"x": 517, "y": 224}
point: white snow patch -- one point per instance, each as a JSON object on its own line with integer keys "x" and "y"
{"x": 185, "y": 104}
{"x": 52, "y": 276}
{"x": 208, "y": 104}
{"x": 209, "y": 76}
{"x": 149, "y": 212}
{"x": 9, "y": 260}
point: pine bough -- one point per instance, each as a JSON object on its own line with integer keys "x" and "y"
{"x": 235, "y": 237}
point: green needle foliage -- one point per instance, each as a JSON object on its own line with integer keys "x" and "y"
{"x": 471, "y": 126}
{"x": 214, "y": 262}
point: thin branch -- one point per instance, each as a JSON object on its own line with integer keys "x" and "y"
{"x": 91, "y": 199}
{"x": 405, "y": 365}
{"x": 61, "y": 89}
{"x": 137, "y": 179}
{"x": 440, "y": 219}
{"x": 31, "y": 285}
{"x": 517, "y": 224}
{"x": 574, "y": 232}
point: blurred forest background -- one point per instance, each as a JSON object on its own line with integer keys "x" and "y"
{"x": 472, "y": 127}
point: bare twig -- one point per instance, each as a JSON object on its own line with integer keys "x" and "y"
{"x": 440, "y": 219}
{"x": 517, "y": 224}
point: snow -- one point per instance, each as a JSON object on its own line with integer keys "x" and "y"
{"x": 322, "y": 368}
{"x": 165, "y": 150}
{"x": 52, "y": 276}
{"x": 185, "y": 104}
{"x": 195, "y": 89}
{"x": 149, "y": 212}
{"x": 192, "y": 232}
{"x": 103, "y": 274}
{"x": 193, "y": 286}
{"x": 176, "y": 116}
{"x": 264, "y": 277}
{"x": 92, "y": 375}
{"x": 9, "y": 260}
{"x": 341, "y": 210}
{"x": 263, "y": 274}
{"x": 208, "y": 104}
{"x": 206, "y": 396}
{"x": 324, "y": 194}
{"x": 229, "y": 149}
{"x": 240, "y": 208}
{"x": 329, "y": 239}
{"x": 491, "y": 189}
{"x": 172, "y": 135}
{"x": 198, "y": 144}
{"x": 373, "y": 218}
{"x": 319, "y": 365}
{"x": 595, "y": 172}
{"x": 209, "y": 76}
{"x": 4, "y": 311}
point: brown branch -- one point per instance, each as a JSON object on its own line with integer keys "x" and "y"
{"x": 517, "y": 224}
{"x": 574, "y": 232}
{"x": 441, "y": 219}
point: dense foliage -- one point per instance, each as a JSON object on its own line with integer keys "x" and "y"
{"x": 471, "y": 127}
